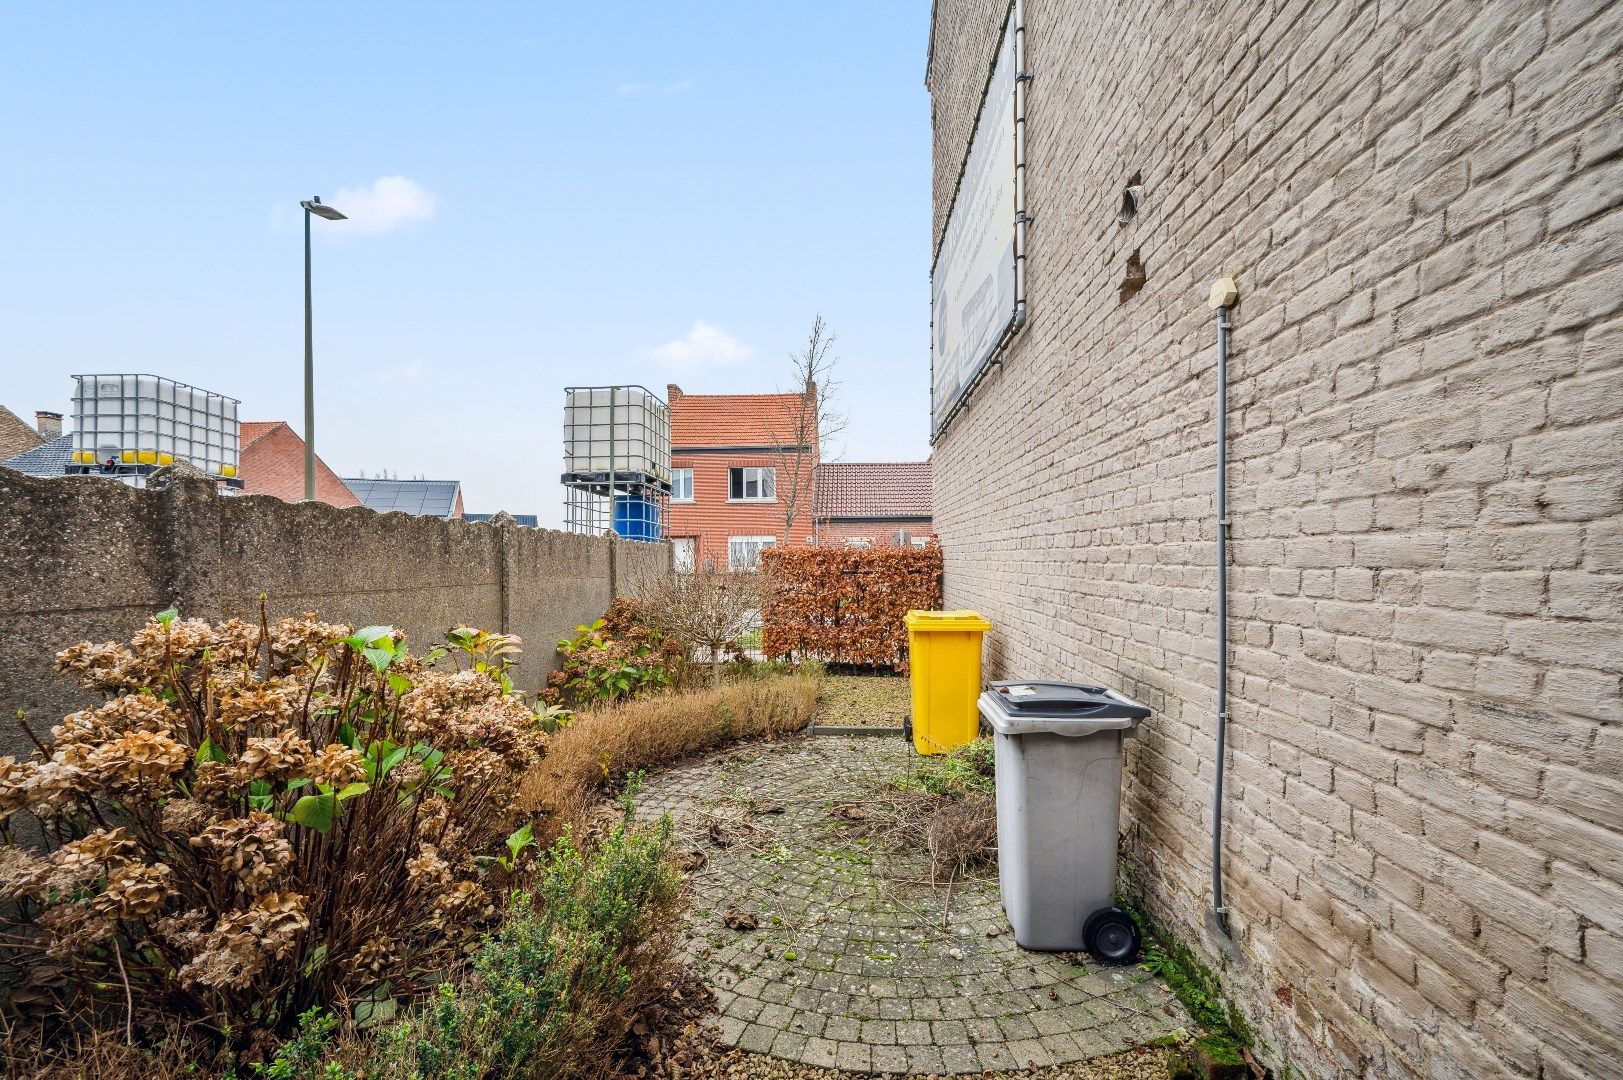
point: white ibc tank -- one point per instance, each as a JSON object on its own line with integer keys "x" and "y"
{"x": 619, "y": 429}
{"x": 136, "y": 420}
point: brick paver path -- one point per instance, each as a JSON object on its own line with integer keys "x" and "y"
{"x": 857, "y": 962}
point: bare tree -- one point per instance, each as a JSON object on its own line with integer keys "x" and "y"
{"x": 807, "y": 426}
{"x": 706, "y": 611}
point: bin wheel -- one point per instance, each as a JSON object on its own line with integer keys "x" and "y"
{"x": 907, "y": 729}
{"x": 1111, "y": 936}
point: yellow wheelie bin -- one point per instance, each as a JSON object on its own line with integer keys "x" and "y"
{"x": 945, "y": 659}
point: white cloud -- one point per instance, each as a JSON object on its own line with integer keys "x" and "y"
{"x": 387, "y": 203}
{"x": 706, "y": 345}
{"x": 678, "y": 87}
{"x": 632, "y": 89}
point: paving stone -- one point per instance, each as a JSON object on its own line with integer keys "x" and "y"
{"x": 924, "y": 1059}
{"x": 892, "y": 1059}
{"x": 872, "y": 985}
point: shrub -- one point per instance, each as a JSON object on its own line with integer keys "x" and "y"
{"x": 551, "y": 994}
{"x": 846, "y": 605}
{"x": 713, "y": 612}
{"x": 602, "y": 746}
{"x": 614, "y": 658}
{"x": 259, "y": 819}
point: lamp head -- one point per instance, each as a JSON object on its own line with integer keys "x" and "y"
{"x": 317, "y": 207}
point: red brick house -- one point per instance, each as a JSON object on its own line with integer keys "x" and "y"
{"x": 873, "y": 504}
{"x": 739, "y": 464}
{"x": 271, "y": 462}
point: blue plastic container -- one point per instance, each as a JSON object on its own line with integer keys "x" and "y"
{"x": 637, "y": 517}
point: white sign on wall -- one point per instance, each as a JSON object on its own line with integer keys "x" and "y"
{"x": 976, "y": 288}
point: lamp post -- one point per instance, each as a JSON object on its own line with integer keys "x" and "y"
{"x": 311, "y": 206}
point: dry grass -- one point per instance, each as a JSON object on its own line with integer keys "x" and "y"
{"x": 26, "y": 1053}
{"x": 865, "y": 701}
{"x": 960, "y": 834}
{"x": 593, "y": 755}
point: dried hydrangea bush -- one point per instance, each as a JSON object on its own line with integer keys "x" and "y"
{"x": 263, "y": 818}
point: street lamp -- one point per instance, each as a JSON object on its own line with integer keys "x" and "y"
{"x": 311, "y": 206}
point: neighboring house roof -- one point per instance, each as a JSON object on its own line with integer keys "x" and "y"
{"x": 873, "y": 490}
{"x": 715, "y": 421}
{"x": 47, "y": 459}
{"x": 16, "y": 434}
{"x": 421, "y": 498}
{"x": 271, "y": 462}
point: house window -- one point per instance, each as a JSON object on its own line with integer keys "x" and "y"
{"x": 681, "y": 485}
{"x": 858, "y": 542}
{"x": 682, "y": 551}
{"x": 744, "y": 552}
{"x": 752, "y": 485}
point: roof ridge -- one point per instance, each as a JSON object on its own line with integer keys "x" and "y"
{"x": 268, "y": 427}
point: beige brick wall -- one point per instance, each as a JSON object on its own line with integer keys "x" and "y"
{"x": 1420, "y": 202}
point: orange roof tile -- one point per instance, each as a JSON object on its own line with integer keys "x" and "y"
{"x": 714, "y": 420}
{"x": 271, "y": 462}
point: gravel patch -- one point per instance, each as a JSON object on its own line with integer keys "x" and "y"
{"x": 864, "y": 701}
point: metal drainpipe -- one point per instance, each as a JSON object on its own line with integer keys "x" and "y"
{"x": 1224, "y": 294}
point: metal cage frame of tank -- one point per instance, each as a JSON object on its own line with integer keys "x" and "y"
{"x": 616, "y": 449}
{"x": 153, "y": 422}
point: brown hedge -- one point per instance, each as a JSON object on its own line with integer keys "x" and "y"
{"x": 845, "y": 605}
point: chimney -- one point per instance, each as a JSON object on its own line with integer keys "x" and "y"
{"x": 672, "y": 392}
{"x": 48, "y": 424}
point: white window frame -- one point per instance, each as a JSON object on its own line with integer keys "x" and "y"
{"x": 676, "y": 495}
{"x": 858, "y": 542}
{"x": 744, "y": 552}
{"x": 765, "y": 478}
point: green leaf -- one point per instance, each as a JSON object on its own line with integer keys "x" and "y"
{"x": 370, "y": 634}
{"x": 378, "y": 658}
{"x": 347, "y": 736}
{"x": 399, "y": 683}
{"x": 349, "y": 791}
{"x": 391, "y": 759}
{"x": 316, "y": 812}
{"x": 207, "y": 751}
{"x": 167, "y": 616}
{"x": 318, "y": 956}
{"x": 520, "y": 840}
{"x": 294, "y": 785}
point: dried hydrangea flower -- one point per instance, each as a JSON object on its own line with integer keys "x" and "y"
{"x": 306, "y": 635}
{"x": 254, "y": 848}
{"x": 337, "y": 765}
{"x": 107, "y": 666}
{"x": 281, "y": 755}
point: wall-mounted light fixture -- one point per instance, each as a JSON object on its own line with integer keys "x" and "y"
{"x": 1131, "y": 195}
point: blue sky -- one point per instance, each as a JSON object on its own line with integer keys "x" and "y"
{"x": 544, "y": 195}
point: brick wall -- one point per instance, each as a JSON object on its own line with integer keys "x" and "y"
{"x": 710, "y": 518}
{"x": 1420, "y": 203}
{"x": 877, "y": 533}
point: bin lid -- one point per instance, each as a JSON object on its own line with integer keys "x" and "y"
{"x": 945, "y": 620}
{"x": 1030, "y": 706}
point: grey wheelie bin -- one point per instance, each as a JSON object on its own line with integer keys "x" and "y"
{"x": 1058, "y": 753}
